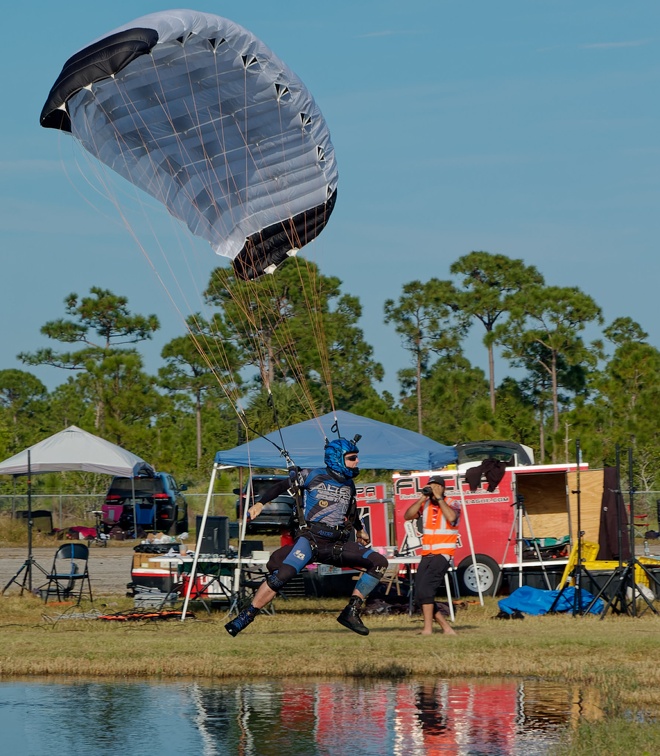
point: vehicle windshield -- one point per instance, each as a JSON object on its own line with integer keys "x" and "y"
{"x": 142, "y": 486}
{"x": 260, "y": 486}
{"x": 505, "y": 451}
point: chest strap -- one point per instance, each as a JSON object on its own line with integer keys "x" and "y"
{"x": 331, "y": 532}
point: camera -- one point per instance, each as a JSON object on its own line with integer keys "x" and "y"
{"x": 427, "y": 491}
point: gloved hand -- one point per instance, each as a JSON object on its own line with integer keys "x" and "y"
{"x": 362, "y": 537}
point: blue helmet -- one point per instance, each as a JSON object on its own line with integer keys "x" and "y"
{"x": 334, "y": 456}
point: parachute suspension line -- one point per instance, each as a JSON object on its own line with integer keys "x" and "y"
{"x": 270, "y": 335}
{"x": 265, "y": 360}
{"x": 315, "y": 309}
{"x": 200, "y": 340}
{"x": 245, "y": 304}
{"x": 197, "y": 339}
{"x": 289, "y": 350}
{"x": 294, "y": 478}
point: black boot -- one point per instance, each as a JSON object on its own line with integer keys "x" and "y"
{"x": 350, "y": 616}
{"x": 241, "y": 621}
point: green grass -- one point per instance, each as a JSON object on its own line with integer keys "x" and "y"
{"x": 619, "y": 736}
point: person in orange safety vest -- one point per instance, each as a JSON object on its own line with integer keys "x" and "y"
{"x": 439, "y": 540}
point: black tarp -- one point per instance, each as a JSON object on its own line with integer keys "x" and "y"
{"x": 614, "y": 530}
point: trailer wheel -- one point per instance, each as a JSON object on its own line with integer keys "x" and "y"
{"x": 487, "y": 572}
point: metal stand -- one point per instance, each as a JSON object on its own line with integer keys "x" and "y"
{"x": 517, "y": 527}
{"x": 578, "y": 568}
{"x": 623, "y": 600}
{"x": 29, "y": 564}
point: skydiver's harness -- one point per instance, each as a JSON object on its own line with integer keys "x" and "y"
{"x": 339, "y": 534}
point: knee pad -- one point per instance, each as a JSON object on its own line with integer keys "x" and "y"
{"x": 274, "y": 582}
{"x": 279, "y": 579}
{"x": 378, "y": 565}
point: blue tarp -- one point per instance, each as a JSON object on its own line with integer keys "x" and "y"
{"x": 382, "y": 446}
{"x": 530, "y": 600}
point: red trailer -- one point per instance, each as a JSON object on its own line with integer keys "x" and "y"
{"x": 520, "y": 530}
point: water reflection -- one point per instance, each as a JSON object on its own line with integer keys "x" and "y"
{"x": 307, "y": 718}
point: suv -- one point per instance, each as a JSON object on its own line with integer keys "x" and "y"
{"x": 275, "y": 515}
{"x": 161, "y": 505}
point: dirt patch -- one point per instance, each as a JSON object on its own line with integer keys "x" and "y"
{"x": 109, "y": 567}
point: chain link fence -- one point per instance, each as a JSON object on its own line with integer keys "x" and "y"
{"x": 68, "y": 510}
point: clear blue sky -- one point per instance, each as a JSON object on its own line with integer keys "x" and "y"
{"x": 526, "y": 128}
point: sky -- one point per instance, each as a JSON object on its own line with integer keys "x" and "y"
{"x": 524, "y": 128}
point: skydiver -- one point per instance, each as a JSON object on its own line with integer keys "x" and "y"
{"x": 330, "y": 512}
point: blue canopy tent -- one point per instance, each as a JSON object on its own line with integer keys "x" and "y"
{"x": 382, "y": 446}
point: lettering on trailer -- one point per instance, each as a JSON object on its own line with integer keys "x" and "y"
{"x": 411, "y": 488}
{"x": 490, "y": 519}
{"x": 371, "y": 492}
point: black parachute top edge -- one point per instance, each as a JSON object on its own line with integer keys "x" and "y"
{"x": 268, "y": 247}
{"x": 93, "y": 63}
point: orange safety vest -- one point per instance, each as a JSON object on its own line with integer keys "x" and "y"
{"x": 438, "y": 536}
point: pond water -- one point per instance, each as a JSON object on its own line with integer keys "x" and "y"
{"x": 307, "y": 718}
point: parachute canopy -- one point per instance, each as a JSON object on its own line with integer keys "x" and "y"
{"x": 196, "y": 111}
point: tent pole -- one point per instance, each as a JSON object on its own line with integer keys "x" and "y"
{"x": 236, "y": 587}
{"x": 198, "y": 546}
{"x": 468, "y": 529}
{"x": 135, "y": 533}
{"x": 248, "y": 498}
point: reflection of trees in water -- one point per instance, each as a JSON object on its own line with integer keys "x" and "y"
{"x": 549, "y": 705}
{"x": 103, "y": 713}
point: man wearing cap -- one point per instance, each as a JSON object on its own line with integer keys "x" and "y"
{"x": 439, "y": 539}
{"x": 330, "y": 514}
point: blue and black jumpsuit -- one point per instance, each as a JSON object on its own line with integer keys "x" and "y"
{"x": 330, "y": 511}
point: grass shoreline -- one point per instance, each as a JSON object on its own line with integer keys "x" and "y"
{"x": 573, "y": 649}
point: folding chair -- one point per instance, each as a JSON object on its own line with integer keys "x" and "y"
{"x": 642, "y": 523}
{"x": 111, "y": 514}
{"x": 391, "y": 579}
{"x": 69, "y": 573}
{"x": 145, "y": 515}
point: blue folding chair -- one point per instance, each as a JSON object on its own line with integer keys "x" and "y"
{"x": 145, "y": 515}
{"x": 69, "y": 573}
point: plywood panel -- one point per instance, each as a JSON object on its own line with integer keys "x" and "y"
{"x": 546, "y": 503}
{"x": 591, "y": 495}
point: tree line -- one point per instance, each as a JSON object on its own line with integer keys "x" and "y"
{"x": 291, "y": 346}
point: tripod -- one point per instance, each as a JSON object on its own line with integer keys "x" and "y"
{"x": 29, "y": 564}
{"x": 575, "y": 573}
{"x": 623, "y": 599}
{"x": 517, "y": 526}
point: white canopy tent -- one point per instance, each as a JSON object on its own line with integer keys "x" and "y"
{"x": 70, "y": 449}
{"x": 75, "y": 449}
